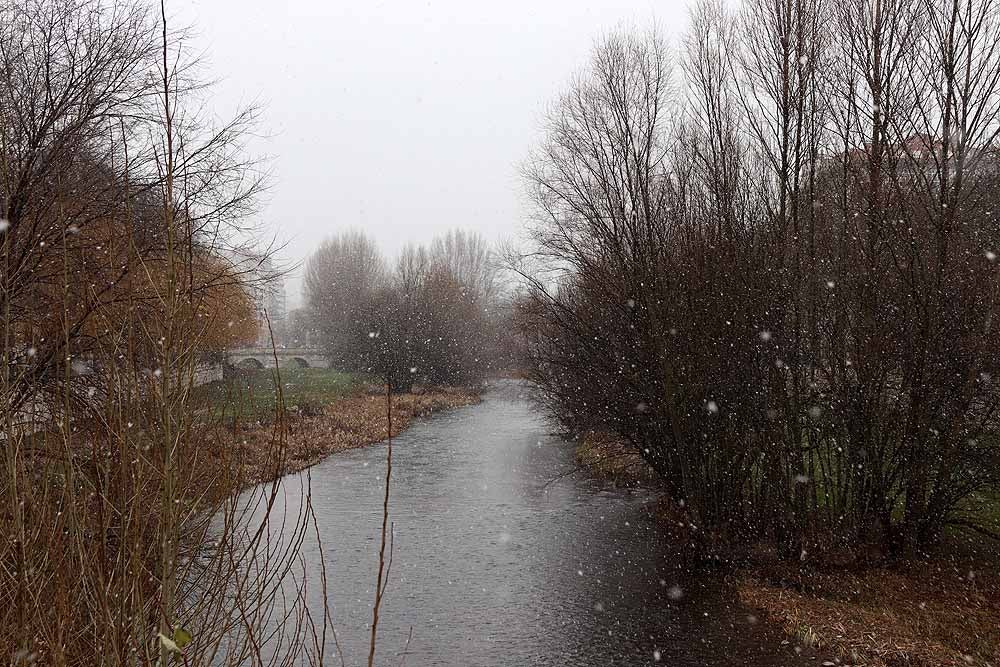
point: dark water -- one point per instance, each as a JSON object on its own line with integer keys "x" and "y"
{"x": 497, "y": 564}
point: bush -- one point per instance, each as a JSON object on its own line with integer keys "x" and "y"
{"x": 782, "y": 309}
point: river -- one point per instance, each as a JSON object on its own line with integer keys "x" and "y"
{"x": 505, "y": 556}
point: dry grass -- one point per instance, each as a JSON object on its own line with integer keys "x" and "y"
{"x": 87, "y": 539}
{"x": 930, "y": 613}
{"x": 608, "y": 457}
{"x": 345, "y": 423}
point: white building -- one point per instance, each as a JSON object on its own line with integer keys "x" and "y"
{"x": 267, "y": 289}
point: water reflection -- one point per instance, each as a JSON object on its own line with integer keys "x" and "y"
{"x": 497, "y": 564}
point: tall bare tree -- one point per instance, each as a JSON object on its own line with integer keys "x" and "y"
{"x": 785, "y": 294}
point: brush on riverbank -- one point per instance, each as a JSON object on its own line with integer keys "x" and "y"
{"x": 612, "y": 460}
{"x": 943, "y": 610}
{"x": 940, "y": 611}
{"x": 346, "y": 423}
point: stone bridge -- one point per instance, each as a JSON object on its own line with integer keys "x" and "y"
{"x": 288, "y": 357}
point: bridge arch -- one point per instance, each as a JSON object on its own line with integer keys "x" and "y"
{"x": 287, "y": 357}
{"x": 249, "y": 364}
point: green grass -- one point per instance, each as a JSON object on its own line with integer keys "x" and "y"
{"x": 252, "y": 393}
{"x": 983, "y": 508}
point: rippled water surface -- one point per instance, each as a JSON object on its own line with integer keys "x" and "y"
{"x": 502, "y": 557}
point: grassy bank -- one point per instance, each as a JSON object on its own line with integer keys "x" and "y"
{"x": 253, "y": 394}
{"x": 942, "y": 610}
{"x": 326, "y": 412}
{"x": 345, "y": 423}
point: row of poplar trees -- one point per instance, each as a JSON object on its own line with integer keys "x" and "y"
{"x": 435, "y": 317}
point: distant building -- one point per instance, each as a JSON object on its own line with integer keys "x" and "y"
{"x": 299, "y": 330}
{"x": 267, "y": 290}
{"x": 920, "y": 157}
{"x": 270, "y": 301}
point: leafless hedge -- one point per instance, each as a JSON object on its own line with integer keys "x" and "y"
{"x": 771, "y": 266}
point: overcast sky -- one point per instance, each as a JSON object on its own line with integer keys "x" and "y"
{"x": 405, "y": 118}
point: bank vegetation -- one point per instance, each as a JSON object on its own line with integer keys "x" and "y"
{"x": 769, "y": 266}
{"x": 765, "y": 262}
{"x": 126, "y": 256}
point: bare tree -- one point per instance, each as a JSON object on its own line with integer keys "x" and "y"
{"x": 783, "y": 300}
{"x": 435, "y": 319}
{"x": 342, "y": 278}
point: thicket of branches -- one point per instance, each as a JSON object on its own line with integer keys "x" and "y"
{"x": 122, "y": 538}
{"x": 770, "y": 267}
{"x": 434, "y": 318}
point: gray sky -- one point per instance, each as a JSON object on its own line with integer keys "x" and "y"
{"x": 405, "y": 118}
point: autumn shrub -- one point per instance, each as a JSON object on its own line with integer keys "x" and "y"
{"x": 124, "y": 541}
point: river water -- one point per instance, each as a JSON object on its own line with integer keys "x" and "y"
{"x": 502, "y": 557}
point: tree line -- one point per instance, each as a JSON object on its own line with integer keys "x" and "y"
{"x": 767, "y": 261}
{"x": 435, "y": 316}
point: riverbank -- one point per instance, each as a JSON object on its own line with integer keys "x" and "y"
{"x": 349, "y": 422}
{"x": 608, "y": 458}
{"x": 937, "y": 612}
{"x": 326, "y": 411}
{"x": 942, "y": 611}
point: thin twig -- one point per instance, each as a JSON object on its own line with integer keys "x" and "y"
{"x": 385, "y": 523}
